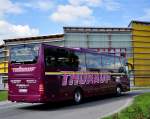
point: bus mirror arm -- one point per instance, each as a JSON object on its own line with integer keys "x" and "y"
{"x": 130, "y": 69}
{"x": 130, "y": 65}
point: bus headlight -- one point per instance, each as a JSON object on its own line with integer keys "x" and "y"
{"x": 118, "y": 79}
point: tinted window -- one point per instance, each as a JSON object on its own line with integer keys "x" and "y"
{"x": 108, "y": 61}
{"x": 117, "y": 62}
{"x": 81, "y": 61}
{"x": 93, "y": 61}
{"x": 62, "y": 58}
{"x": 123, "y": 61}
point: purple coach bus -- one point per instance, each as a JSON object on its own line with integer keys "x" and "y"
{"x": 44, "y": 73}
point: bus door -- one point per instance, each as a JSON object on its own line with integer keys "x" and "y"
{"x": 108, "y": 68}
{"x": 51, "y": 60}
{"x": 94, "y": 65}
{"x": 124, "y": 69}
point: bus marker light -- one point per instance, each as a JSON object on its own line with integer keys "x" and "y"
{"x": 41, "y": 88}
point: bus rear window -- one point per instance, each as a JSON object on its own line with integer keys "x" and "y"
{"x": 26, "y": 54}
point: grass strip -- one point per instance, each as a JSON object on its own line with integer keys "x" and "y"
{"x": 3, "y": 95}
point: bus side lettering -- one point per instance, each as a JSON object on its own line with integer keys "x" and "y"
{"x": 64, "y": 81}
{"x": 96, "y": 78}
{"x": 80, "y": 79}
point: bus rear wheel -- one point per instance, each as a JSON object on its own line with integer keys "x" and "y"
{"x": 78, "y": 96}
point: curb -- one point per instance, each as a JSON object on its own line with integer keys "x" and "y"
{"x": 4, "y": 102}
{"x": 128, "y": 103}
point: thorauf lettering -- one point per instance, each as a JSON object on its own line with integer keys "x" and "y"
{"x": 23, "y": 69}
{"x": 78, "y": 79}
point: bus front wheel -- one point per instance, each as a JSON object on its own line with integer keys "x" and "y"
{"x": 78, "y": 96}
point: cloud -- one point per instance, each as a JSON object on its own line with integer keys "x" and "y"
{"x": 6, "y": 6}
{"x": 39, "y": 4}
{"x": 70, "y": 13}
{"x": 146, "y": 15}
{"x": 92, "y": 3}
{"x": 111, "y": 5}
{"x": 8, "y": 30}
{"x": 81, "y": 11}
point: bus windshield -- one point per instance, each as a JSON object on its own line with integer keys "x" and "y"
{"x": 26, "y": 54}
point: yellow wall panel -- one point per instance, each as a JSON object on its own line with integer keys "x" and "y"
{"x": 142, "y": 56}
{"x": 2, "y": 65}
{"x": 141, "y": 50}
{"x": 142, "y": 73}
{"x": 139, "y": 38}
{"x": 142, "y": 67}
{"x": 6, "y": 64}
{"x": 6, "y": 70}
{"x": 141, "y": 61}
{"x": 142, "y": 81}
{"x": 2, "y": 71}
{"x": 141, "y": 33}
{"x": 140, "y": 44}
{"x": 141, "y": 27}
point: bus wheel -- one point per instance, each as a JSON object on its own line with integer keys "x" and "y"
{"x": 118, "y": 91}
{"x": 78, "y": 96}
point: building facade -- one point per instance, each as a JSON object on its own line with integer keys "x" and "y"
{"x": 3, "y": 67}
{"x": 57, "y": 40}
{"x": 141, "y": 49}
{"x": 112, "y": 40}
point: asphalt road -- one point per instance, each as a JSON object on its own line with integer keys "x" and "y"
{"x": 90, "y": 109}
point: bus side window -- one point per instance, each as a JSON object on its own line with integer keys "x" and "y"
{"x": 81, "y": 61}
{"x": 112, "y": 61}
{"x": 104, "y": 62}
{"x": 49, "y": 57}
{"x": 93, "y": 62}
{"x": 108, "y": 62}
{"x": 48, "y": 61}
{"x": 117, "y": 62}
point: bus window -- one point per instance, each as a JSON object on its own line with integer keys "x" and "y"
{"x": 50, "y": 57}
{"x": 117, "y": 62}
{"x": 81, "y": 61}
{"x": 108, "y": 62}
{"x": 93, "y": 62}
{"x": 60, "y": 58}
{"x": 26, "y": 54}
{"x": 123, "y": 61}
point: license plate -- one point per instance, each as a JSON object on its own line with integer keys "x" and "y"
{"x": 22, "y": 90}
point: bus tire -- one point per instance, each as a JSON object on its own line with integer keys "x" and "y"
{"x": 118, "y": 91}
{"x": 78, "y": 96}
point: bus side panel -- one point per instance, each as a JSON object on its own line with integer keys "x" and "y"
{"x": 55, "y": 91}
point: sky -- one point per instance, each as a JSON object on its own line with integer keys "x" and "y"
{"x": 25, "y": 18}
